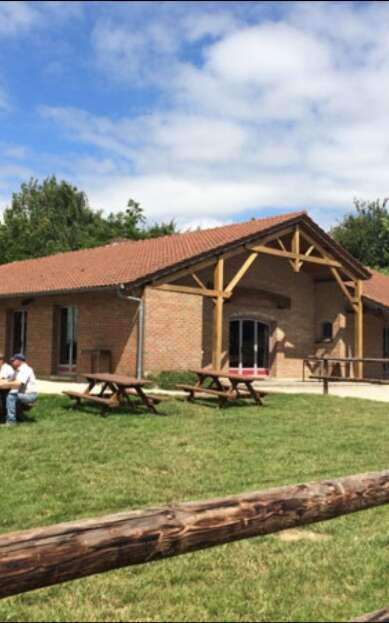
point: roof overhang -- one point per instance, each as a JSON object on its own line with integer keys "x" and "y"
{"x": 353, "y": 265}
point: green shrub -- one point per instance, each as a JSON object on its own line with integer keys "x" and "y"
{"x": 168, "y": 379}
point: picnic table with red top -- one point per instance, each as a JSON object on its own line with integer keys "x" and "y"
{"x": 114, "y": 390}
{"x": 224, "y": 386}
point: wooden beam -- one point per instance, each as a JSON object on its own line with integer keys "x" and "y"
{"x": 217, "y": 342}
{"x": 170, "y": 287}
{"x": 315, "y": 244}
{"x": 325, "y": 253}
{"x": 283, "y": 247}
{"x": 296, "y": 249}
{"x": 212, "y": 261}
{"x": 198, "y": 281}
{"x": 310, "y": 250}
{"x": 379, "y": 616}
{"x": 45, "y": 556}
{"x": 280, "y": 234}
{"x": 290, "y": 255}
{"x": 343, "y": 287}
{"x": 184, "y": 272}
{"x": 241, "y": 272}
{"x": 358, "y": 328}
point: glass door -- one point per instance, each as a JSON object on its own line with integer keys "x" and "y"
{"x": 19, "y": 332}
{"x": 249, "y": 346}
{"x": 68, "y": 334}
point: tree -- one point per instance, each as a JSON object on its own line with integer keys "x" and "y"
{"x": 132, "y": 224}
{"x": 365, "y": 234}
{"x": 50, "y": 216}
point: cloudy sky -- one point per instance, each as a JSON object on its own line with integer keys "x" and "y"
{"x": 206, "y": 112}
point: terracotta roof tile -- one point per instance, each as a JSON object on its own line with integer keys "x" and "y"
{"x": 129, "y": 262}
{"x": 123, "y": 262}
{"x": 377, "y": 288}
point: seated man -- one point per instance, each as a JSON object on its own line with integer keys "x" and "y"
{"x": 7, "y": 373}
{"x": 23, "y": 389}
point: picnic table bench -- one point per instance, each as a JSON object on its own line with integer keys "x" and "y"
{"x": 115, "y": 390}
{"x": 225, "y": 386}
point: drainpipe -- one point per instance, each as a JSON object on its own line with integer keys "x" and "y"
{"x": 141, "y": 322}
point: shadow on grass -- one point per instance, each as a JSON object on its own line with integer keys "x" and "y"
{"x": 24, "y": 418}
{"x": 213, "y": 403}
{"x": 137, "y": 410}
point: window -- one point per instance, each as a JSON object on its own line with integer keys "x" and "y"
{"x": 249, "y": 345}
{"x": 326, "y": 331}
{"x": 19, "y": 332}
{"x": 67, "y": 338}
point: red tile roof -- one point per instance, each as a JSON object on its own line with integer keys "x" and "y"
{"x": 123, "y": 262}
{"x": 377, "y": 288}
{"x": 130, "y": 262}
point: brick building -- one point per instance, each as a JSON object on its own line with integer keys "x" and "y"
{"x": 256, "y": 296}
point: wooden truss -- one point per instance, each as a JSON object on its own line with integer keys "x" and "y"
{"x": 303, "y": 250}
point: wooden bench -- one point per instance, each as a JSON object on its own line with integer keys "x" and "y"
{"x": 103, "y": 402}
{"x": 156, "y": 398}
{"x": 244, "y": 393}
{"x": 224, "y": 386}
{"x": 223, "y": 396}
{"x": 115, "y": 390}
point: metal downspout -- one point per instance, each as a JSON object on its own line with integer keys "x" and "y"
{"x": 141, "y": 321}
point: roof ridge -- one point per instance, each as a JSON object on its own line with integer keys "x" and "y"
{"x": 159, "y": 238}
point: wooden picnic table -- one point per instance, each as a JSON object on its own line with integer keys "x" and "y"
{"x": 225, "y": 392}
{"x": 115, "y": 390}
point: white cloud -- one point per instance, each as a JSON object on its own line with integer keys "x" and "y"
{"x": 281, "y": 113}
{"x": 19, "y": 17}
{"x": 266, "y": 54}
{"x": 134, "y": 55}
{"x": 16, "y": 17}
{"x": 208, "y": 24}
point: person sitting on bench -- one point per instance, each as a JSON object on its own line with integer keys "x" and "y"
{"x": 23, "y": 389}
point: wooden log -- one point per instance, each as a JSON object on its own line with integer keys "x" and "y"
{"x": 46, "y": 556}
{"x": 380, "y": 616}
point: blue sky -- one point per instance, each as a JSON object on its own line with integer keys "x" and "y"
{"x": 205, "y": 112}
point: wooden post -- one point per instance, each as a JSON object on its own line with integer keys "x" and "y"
{"x": 46, "y": 556}
{"x": 326, "y": 376}
{"x": 358, "y": 328}
{"x": 218, "y": 316}
{"x": 296, "y": 249}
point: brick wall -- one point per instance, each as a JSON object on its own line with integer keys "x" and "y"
{"x": 178, "y": 327}
{"x": 173, "y": 331}
{"x": 330, "y": 306}
{"x": 104, "y": 322}
{"x": 373, "y": 327}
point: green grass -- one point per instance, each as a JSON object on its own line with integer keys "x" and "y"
{"x": 73, "y": 464}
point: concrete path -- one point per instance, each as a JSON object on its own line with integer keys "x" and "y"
{"x": 284, "y": 386}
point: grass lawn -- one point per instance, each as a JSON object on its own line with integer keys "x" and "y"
{"x": 72, "y": 464}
